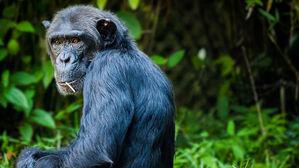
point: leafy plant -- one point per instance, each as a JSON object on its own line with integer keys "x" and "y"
{"x": 216, "y": 120}
{"x": 131, "y": 22}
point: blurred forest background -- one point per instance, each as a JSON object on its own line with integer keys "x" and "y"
{"x": 233, "y": 64}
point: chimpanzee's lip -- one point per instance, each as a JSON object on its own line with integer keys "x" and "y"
{"x": 64, "y": 83}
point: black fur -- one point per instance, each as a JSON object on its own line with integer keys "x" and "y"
{"x": 128, "y": 113}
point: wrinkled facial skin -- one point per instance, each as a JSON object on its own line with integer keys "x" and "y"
{"x": 73, "y": 40}
{"x": 69, "y": 61}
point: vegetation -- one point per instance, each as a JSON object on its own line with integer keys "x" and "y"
{"x": 232, "y": 64}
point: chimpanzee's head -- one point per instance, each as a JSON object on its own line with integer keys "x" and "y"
{"x": 74, "y": 37}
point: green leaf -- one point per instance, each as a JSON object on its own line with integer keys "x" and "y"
{"x": 266, "y": 14}
{"x": 1, "y": 42}
{"x": 159, "y": 60}
{"x": 222, "y": 107}
{"x": 197, "y": 62}
{"x": 3, "y": 101}
{"x": 38, "y": 73}
{"x": 5, "y": 78}
{"x": 101, "y": 4}
{"x": 5, "y": 25}
{"x": 134, "y": 4}
{"x": 26, "y": 132}
{"x": 16, "y": 97}
{"x": 71, "y": 108}
{"x": 204, "y": 134}
{"x": 223, "y": 91}
{"x": 227, "y": 64}
{"x": 269, "y": 111}
{"x": 209, "y": 161}
{"x": 26, "y": 59}
{"x": 131, "y": 22}
{"x": 259, "y": 2}
{"x": 25, "y": 26}
{"x": 277, "y": 15}
{"x": 3, "y": 53}
{"x": 29, "y": 93}
{"x": 22, "y": 78}
{"x": 239, "y": 109}
{"x": 238, "y": 151}
{"x": 272, "y": 25}
{"x": 48, "y": 73}
{"x": 16, "y": 34}
{"x": 247, "y": 132}
{"x": 264, "y": 61}
{"x": 9, "y": 11}
{"x": 231, "y": 128}
{"x": 13, "y": 46}
{"x": 252, "y": 3}
{"x": 43, "y": 118}
{"x": 175, "y": 58}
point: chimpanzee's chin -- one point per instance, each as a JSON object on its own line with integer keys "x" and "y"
{"x": 65, "y": 91}
{"x": 70, "y": 89}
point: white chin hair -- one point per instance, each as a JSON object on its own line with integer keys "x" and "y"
{"x": 65, "y": 90}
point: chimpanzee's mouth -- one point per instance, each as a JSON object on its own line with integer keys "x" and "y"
{"x": 66, "y": 83}
{"x": 70, "y": 83}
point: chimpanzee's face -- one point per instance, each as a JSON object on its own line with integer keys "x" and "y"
{"x": 69, "y": 59}
{"x": 72, "y": 44}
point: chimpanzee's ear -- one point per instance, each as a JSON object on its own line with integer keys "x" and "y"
{"x": 46, "y": 23}
{"x": 107, "y": 30}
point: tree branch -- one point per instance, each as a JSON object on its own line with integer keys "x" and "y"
{"x": 255, "y": 95}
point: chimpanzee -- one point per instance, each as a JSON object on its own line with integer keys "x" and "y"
{"x": 128, "y": 112}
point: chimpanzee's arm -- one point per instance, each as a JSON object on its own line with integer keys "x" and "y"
{"x": 107, "y": 113}
{"x": 38, "y": 158}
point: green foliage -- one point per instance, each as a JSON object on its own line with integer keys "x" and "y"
{"x": 9, "y": 11}
{"x": 274, "y": 19}
{"x": 26, "y": 132}
{"x": 175, "y": 58}
{"x": 22, "y": 78}
{"x": 217, "y": 124}
{"x": 237, "y": 146}
{"x": 172, "y": 61}
{"x": 231, "y": 128}
{"x": 48, "y": 73}
{"x": 131, "y": 22}
{"x": 71, "y": 108}
{"x": 3, "y": 53}
{"x": 5, "y": 78}
{"x": 133, "y": 4}
{"x": 13, "y": 47}
{"x": 222, "y": 107}
{"x": 5, "y": 25}
{"x": 227, "y": 64}
{"x": 25, "y": 26}
{"x": 159, "y": 60}
{"x": 17, "y": 98}
{"x": 252, "y": 3}
{"x": 101, "y": 4}
{"x": 43, "y": 118}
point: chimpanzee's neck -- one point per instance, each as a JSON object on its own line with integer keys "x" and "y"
{"x": 122, "y": 42}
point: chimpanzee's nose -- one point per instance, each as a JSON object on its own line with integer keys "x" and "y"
{"x": 64, "y": 58}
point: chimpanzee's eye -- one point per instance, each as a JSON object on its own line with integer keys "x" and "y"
{"x": 57, "y": 42}
{"x": 75, "y": 40}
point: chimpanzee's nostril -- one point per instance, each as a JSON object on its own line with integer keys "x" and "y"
{"x": 67, "y": 60}
{"x": 64, "y": 59}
